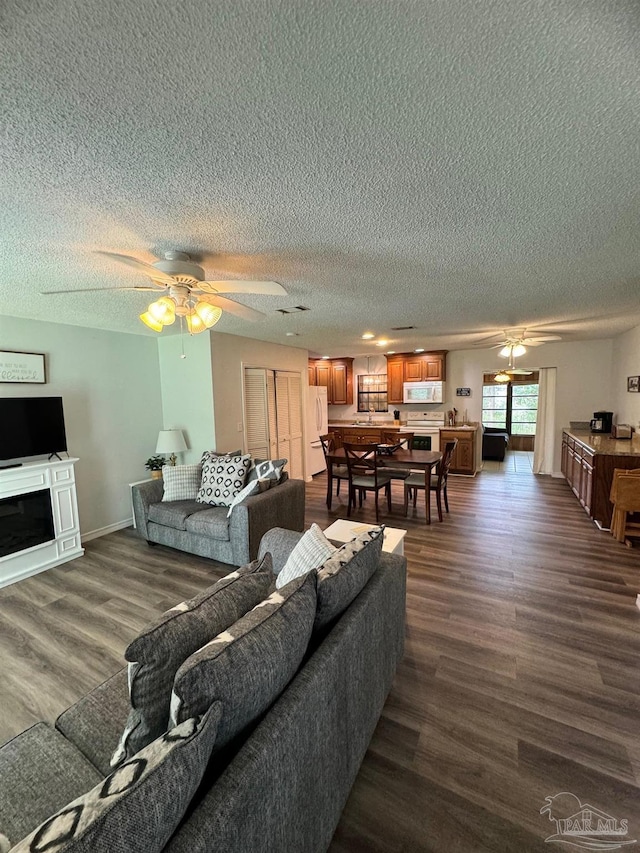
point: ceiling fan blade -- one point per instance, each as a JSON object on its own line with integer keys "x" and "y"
{"x": 540, "y": 339}
{"x": 241, "y": 311}
{"x": 140, "y": 266}
{"x": 94, "y": 290}
{"x": 269, "y": 288}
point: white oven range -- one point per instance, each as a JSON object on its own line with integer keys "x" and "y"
{"x": 424, "y": 425}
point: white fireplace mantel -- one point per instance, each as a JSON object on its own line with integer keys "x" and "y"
{"x": 57, "y": 476}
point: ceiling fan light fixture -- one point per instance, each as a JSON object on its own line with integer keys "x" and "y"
{"x": 150, "y": 321}
{"x": 209, "y": 314}
{"x": 163, "y": 310}
{"x": 519, "y": 350}
{"x": 502, "y": 377}
{"x": 194, "y": 324}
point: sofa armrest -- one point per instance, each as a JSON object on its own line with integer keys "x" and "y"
{"x": 143, "y": 495}
{"x": 281, "y": 506}
{"x": 280, "y": 543}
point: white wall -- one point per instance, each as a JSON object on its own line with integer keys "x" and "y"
{"x": 626, "y": 362}
{"x": 110, "y": 385}
{"x": 187, "y": 391}
{"x": 230, "y": 354}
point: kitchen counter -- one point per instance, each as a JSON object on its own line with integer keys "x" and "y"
{"x": 603, "y": 443}
{"x": 588, "y": 462}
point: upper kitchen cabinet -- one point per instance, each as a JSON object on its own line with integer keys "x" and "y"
{"x": 413, "y": 367}
{"x": 425, "y": 367}
{"x": 395, "y": 378}
{"x": 336, "y": 375}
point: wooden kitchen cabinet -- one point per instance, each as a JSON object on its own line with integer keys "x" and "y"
{"x": 336, "y": 375}
{"x": 395, "y": 378}
{"x": 464, "y": 456}
{"x": 411, "y": 367}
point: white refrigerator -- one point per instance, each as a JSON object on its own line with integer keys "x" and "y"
{"x": 317, "y": 425}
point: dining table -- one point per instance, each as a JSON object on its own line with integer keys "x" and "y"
{"x": 417, "y": 460}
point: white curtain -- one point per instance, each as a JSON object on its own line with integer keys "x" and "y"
{"x": 545, "y": 422}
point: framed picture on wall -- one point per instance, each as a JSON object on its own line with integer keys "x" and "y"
{"x": 633, "y": 383}
{"x": 25, "y": 367}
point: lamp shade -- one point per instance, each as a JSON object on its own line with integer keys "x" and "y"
{"x": 170, "y": 441}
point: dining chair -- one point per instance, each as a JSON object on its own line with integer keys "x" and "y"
{"x": 334, "y": 472}
{"x": 438, "y": 484}
{"x": 405, "y": 440}
{"x": 365, "y": 474}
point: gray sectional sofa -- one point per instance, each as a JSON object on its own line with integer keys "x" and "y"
{"x": 205, "y": 530}
{"x": 282, "y": 784}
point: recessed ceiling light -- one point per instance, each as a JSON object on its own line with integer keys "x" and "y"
{"x": 326, "y": 356}
{"x": 420, "y": 349}
{"x": 390, "y": 352}
{"x": 367, "y": 336}
{"x": 381, "y": 343}
{"x": 292, "y": 334}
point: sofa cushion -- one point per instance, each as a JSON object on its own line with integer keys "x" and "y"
{"x": 345, "y": 574}
{"x": 222, "y": 478}
{"x": 254, "y": 487}
{"x": 247, "y": 666}
{"x": 210, "y": 521}
{"x": 40, "y": 771}
{"x": 267, "y": 469}
{"x": 138, "y": 807}
{"x": 174, "y": 513}
{"x": 181, "y": 482}
{"x": 158, "y": 651}
{"x": 95, "y": 723}
{"x": 310, "y": 552}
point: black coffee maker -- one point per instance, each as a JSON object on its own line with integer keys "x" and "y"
{"x": 601, "y": 422}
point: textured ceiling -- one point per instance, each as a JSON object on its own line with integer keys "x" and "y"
{"x": 455, "y": 165}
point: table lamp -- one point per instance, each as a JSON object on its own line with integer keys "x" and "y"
{"x": 171, "y": 441}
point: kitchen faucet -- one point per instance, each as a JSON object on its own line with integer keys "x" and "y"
{"x": 371, "y": 411}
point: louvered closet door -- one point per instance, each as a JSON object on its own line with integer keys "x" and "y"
{"x": 256, "y": 419}
{"x": 271, "y": 414}
{"x": 289, "y": 421}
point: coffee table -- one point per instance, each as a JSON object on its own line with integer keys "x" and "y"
{"x": 344, "y": 530}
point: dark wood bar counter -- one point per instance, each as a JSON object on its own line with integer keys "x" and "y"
{"x": 588, "y": 462}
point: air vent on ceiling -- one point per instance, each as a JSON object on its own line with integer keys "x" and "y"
{"x": 294, "y": 310}
{"x": 401, "y": 328}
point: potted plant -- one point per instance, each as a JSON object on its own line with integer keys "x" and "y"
{"x": 154, "y": 464}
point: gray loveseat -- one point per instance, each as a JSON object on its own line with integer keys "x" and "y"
{"x": 283, "y": 786}
{"x": 205, "y": 530}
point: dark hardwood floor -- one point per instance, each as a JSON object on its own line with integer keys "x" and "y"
{"x": 520, "y": 678}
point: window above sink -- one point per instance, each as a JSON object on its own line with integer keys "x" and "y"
{"x": 372, "y": 392}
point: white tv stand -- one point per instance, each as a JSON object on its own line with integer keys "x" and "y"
{"x": 58, "y": 477}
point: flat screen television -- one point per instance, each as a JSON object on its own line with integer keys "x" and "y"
{"x": 31, "y": 426}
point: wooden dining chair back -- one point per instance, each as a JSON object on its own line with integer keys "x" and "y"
{"x": 404, "y": 439}
{"x": 365, "y": 474}
{"x": 625, "y": 497}
{"x": 334, "y": 472}
{"x": 417, "y": 481}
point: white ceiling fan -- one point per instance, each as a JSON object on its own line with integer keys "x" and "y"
{"x": 515, "y": 341}
{"x": 186, "y": 292}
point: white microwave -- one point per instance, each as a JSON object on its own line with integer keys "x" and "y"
{"x": 422, "y": 392}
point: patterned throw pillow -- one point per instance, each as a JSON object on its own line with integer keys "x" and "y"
{"x": 248, "y": 666}
{"x": 267, "y": 469}
{"x": 138, "y": 807}
{"x": 345, "y": 574}
{"x": 310, "y": 553}
{"x": 222, "y": 478}
{"x": 158, "y": 651}
{"x": 181, "y": 482}
{"x": 211, "y": 453}
{"x": 255, "y": 487}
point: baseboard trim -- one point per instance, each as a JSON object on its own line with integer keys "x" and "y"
{"x": 103, "y": 531}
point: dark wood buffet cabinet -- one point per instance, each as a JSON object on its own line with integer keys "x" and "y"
{"x": 588, "y": 462}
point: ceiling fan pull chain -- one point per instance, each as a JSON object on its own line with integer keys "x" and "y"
{"x": 182, "y": 355}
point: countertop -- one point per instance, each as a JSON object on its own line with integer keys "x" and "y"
{"x": 603, "y": 443}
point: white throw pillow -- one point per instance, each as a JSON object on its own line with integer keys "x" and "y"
{"x": 310, "y": 553}
{"x": 181, "y": 482}
{"x": 254, "y": 487}
{"x": 222, "y": 478}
